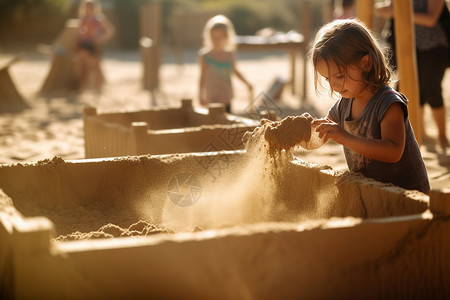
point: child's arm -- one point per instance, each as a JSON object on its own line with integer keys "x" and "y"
{"x": 240, "y": 76}
{"x": 387, "y": 149}
{"x": 201, "y": 86}
{"x": 108, "y": 31}
{"x": 429, "y": 18}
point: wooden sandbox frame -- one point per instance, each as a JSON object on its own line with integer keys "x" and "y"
{"x": 163, "y": 130}
{"x": 382, "y": 243}
{"x": 11, "y": 100}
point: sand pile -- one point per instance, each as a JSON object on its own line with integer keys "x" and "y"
{"x": 284, "y": 134}
{"x": 247, "y": 191}
{"x": 140, "y": 228}
{"x": 252, "y": 190}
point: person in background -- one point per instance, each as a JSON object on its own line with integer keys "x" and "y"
{"x": 432, "y": 53}
{"x": 370, "y": 119}
{"x": 94, "y": 30}
{"x": 344, "y": 10}
{"x": 217, "y": 61}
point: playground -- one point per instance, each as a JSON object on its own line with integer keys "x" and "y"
{"x": 139, "y": 192}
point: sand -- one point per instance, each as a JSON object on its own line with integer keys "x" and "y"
{"x": 53, "y": 126}
{"x": 140, "y": 228}
{"x": 284, "y": 135}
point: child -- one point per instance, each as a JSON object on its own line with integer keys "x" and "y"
{"x": 371, "y": 119}
{"x": 94, "y": 31}
{"x": 217, "y": 61}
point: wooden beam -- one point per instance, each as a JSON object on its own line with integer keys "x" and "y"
{"x": 365, "y": 12}
{"x": 406, "y": 59}
{"x": 405, "y": 51}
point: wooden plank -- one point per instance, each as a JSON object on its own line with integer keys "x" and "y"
{"x": 405, "y": 50}
{"x": 406, "y": 60}
{"x": 365, "y": 12}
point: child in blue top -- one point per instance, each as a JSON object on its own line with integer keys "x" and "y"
{"x": 218, "y": 63}
{"x": 371, "y": 119}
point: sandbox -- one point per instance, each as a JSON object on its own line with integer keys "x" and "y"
{"x": 163, "y": 130}
{"x": 315, "y": 233}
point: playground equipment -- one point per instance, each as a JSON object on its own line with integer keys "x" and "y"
{"x": 10, "y": 98}
{"x": 163, "y": 130}
{"x": 381, "y": 241}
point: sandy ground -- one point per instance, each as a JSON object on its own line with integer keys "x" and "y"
{"x": 53, "y": 126}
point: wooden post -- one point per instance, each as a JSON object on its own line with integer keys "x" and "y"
{"x": 365, "y": 12}
{"x": 293, "y": 59}
{"x": 306, "y": 24}
{"x": 150, "y": 21}
{"x": 155, "y": 27}
{"x": 144, "y": 19}
{"x": 440, "y": 202}
{"x": 406, "y": 60}
{"x": 139, "y": 132}
{"x": 405, "y": 50}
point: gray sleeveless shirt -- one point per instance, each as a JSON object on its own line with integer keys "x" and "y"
{"x": 410, "y": 171}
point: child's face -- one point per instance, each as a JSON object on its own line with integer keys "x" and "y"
{"x": 90, "y": 11}
{"x": 218, "y": 38}
{"x": 349, "y": 84}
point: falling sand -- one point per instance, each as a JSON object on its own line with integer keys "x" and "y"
{"x": 285, "y": 134}
{"x": 243, "y": 192}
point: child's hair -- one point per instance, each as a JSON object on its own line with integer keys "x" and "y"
{"x": 83, "y": 6}
{"x": 222, "y": 23}
{"x": 346, "y": 42}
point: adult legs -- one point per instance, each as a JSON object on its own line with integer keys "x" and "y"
{"x": 431, "y": 73}
{"x": 89, "y": 71}
{"x": 439, "y": 118}
{"x": 97, "y": 74}
{"x": 83, "y": 70}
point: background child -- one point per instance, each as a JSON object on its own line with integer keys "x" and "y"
{"x": 94, "y": 31}
{"x": 217, "y": 61}
{"x": 371, "y": 119}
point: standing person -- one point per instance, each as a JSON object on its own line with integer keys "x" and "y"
{"x": 217, "y": 61}
{"x": 432, "y": 52}
{"x": 344, "y": 10}
{"x": 93, "y": 32}
{"x": 370, "y": 119}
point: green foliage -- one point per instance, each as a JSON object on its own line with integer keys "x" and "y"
{"x": 19, "y": 11}
{"x": 129, "y": 18}
{"x": 30, "y": 21}
{"x": 249, "y": 16}
{"x": 37, "y": 18}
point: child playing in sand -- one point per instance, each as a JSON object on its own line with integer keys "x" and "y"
{"x": 217, "y": 61}
{"x": 370, "y": 119}
{"x": 94, "y": 31}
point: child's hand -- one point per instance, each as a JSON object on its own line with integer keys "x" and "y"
{"x": 328, "y": 129}
{"x": 308, "y": 117}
